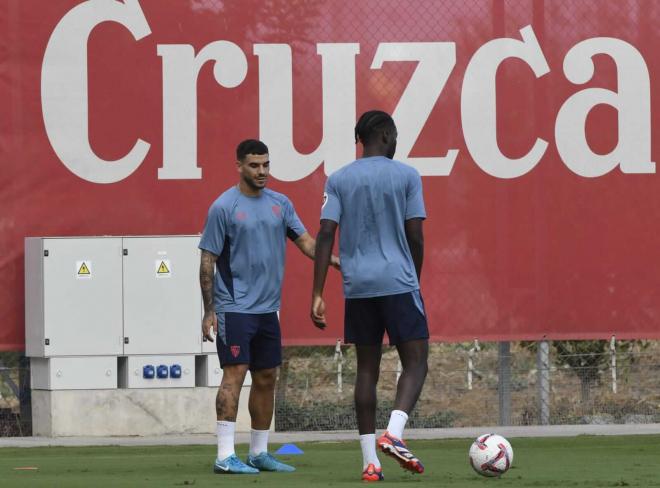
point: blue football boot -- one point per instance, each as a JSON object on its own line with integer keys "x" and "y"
{"x": 267, "y": 462}
{"x": 232, "y": 465}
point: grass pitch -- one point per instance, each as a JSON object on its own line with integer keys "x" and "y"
{"x": 553, "y": 462}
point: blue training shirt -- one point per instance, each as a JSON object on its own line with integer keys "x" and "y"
{"x": 370, "y": 199}
{"x": 248, "y": 234}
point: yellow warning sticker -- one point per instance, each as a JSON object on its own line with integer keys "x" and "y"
{"x": 84, "y": 270}
{"x": 163, "y": 268}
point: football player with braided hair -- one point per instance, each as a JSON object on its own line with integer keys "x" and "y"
{"x": 378, "y": 206}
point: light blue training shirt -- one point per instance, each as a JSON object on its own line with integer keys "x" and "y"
{"x": 370, "y": 199}
{"x": 248, "y": 234}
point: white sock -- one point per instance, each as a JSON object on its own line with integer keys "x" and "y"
{"x": 225, "y": 431}
{"x": 258, "y": 442}
{"x": 398, "y": 420}
{"x": 368, "y": 445}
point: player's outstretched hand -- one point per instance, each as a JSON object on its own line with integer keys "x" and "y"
{"x": 318, "y": 312}
{"x": 335, "y": 263}
{"x": 209, "y": 326}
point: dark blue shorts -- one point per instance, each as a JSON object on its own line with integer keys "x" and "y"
{"x": 402, "y": 316}
{"x": 249, "y": 338}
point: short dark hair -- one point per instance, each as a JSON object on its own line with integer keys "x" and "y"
{"x": 250, "y": 146}
{"x": 372, "y": 122}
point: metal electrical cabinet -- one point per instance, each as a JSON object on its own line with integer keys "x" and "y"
{"x": 209, "y": 373}
{"x": 208, "y": 346}
{"x": 207, "y": 370}
{"x": 74, "y": 373}
{"x": 157, "y": 372}
{"x": 162, "y": 301}
{"x": 73, "y": 296}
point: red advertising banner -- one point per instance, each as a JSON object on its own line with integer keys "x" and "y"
{"x": 533, "y": 124}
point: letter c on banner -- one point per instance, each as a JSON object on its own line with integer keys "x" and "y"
{"x": 478, "y": 104}
{"x": 64, "y": 93}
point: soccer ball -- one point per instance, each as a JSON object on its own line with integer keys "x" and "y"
{"x": 491, "y": 455}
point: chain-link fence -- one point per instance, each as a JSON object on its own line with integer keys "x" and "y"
{"x": 578, "y": 382}
{"x": 564, "y": 382}
{"x": 15, "y": 415}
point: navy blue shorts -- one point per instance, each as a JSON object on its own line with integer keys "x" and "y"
{"x": 402, "y": 316}
{"x": 249, "y": 338}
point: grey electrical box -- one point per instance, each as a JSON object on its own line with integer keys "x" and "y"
{"x": 74, "y": 373}
{"x": 73, "y": 296}
{"x": 207, "y": 346}
{"x": 162, "y": 301}
{"x": 175, "y": 371}
{"x": 209, "y": 373}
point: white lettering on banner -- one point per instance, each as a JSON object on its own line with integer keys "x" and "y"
{"x": 632, "y": 100}
{"x": 478, "y": 104}
{"x": 436, "y": 62}
{"x": 64, "y": 95}
{"x": 64, "y": 98}
{"x": 180, "y": 72}
{"x": 276, "y": 109}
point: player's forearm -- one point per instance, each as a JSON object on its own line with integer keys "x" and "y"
{"x": 415, "y": 237}
{"x": 323, "y": 250}
{"x": 306, "y": 244}
{"x": 206, "y": 269}
{"x": 417, "y": 253}
{"x": 309, "y": 249}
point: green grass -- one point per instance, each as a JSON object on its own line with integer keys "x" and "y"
{"x": 553, "y": 462}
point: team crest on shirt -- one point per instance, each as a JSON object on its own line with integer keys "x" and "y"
{"x": 325, "y": 199}
{"x": 235, "y": 350}
{"x": 277, "y": 210}
{"x": 241, "y": 215}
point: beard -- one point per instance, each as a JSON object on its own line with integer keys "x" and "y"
{"x": 254, "y": 184}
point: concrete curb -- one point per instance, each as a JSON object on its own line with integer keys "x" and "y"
{"x": 336, "y": 436}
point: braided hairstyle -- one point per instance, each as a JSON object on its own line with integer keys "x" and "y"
{"x": 371, "y": 123}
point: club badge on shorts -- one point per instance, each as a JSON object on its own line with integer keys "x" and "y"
{"x": 235, "y": 350}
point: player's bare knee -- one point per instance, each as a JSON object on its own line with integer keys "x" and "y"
{"x": 422, "y": 366}
{"x": 234, "y": 375}
{"x": 264, "y": 379}
{"x": 424, "y": 369}
{"x": 415, "y": 369}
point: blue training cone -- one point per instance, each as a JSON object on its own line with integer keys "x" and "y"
{"x": 289, "y": 449}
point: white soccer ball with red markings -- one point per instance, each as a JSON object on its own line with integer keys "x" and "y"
{"x": 491, "y": 455}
